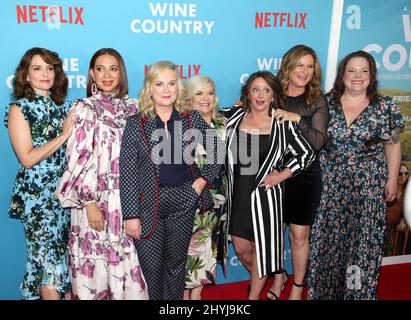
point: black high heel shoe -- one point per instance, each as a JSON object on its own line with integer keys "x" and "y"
{"x": 271, "y": 295}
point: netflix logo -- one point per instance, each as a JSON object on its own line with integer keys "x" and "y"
{"x": 53, "y": 16}
{"x": 280, "y": 20}
{"x": 185, "y": 71}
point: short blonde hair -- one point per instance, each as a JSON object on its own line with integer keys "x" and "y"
{"x": 196, "y": 83}
{"x": 146, "y": 101}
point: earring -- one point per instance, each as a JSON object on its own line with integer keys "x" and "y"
{"x": 94, "y": 89}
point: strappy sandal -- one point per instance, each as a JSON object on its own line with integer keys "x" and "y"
{"x": 275, "y": 296}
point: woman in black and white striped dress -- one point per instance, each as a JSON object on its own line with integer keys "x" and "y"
{"x": 256, "y": 147}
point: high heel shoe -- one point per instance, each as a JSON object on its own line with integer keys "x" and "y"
{"x": 271, "y": 295}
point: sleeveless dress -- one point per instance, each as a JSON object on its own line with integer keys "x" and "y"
{"x": 241, "y": 219}
{"x": 33, "y": 201}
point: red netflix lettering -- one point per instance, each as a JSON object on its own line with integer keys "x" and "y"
{"x": 185, "y": 71}
{"x": 280, "y": 19}
{"x": 31, "y": 14}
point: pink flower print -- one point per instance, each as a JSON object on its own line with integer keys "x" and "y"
{"x": 63, "y": 188}
{"x": 87, "y": 125}
{"x": 72, "y": 267}
{"x": 85, "y": 246}
{"x": 102, "y": 185}
{"x": 99, "y": 249}
{"x": 115, "y": 166}
{"x": 114, "y": 222}
{"x": 108, "y": 106}
{"x": 70, "y": 242}
{"x": 116, "y": 183}
{"x": 112, "y": 257}
{"x": 83, "y": 156}
{"x": 104, "y": 209}
{"x": 136, "y": 276}
{"x": 80, "y": 135}
{"x": 89, "y": 235}
{"x": 104, "y": 295}
{"x": 75, "y": 229}
{"x": 77, "y": 181}
{"x": 87, "y": 269}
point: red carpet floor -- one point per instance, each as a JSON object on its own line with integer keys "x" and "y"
{"x": 394, "y": 284}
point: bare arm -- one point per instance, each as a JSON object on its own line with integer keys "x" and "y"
{"x": 20, "y": 136}
{"x": 392, "y": 150}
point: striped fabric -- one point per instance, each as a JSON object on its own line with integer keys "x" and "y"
{"x": 267, "y": 215}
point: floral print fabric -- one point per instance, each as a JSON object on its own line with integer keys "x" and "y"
{"x": 102, "y": 265}
{"x": 207, "y": 245}
{"x": 45, "y": 221}
{"x": 347, "y": 237}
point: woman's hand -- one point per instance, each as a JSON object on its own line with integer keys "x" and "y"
{"x": 390, "y": 190}
{"x": 95, "y": 217}
{"x": 68, "y": 124}
{"x": 282, "y": 115}
{"x": 133, "y": 228}
{"x": 199, "y": 185}
{"x": 275, "y": 178}
{"x": 401, "y": 226}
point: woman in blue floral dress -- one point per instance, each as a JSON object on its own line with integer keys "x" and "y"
{"x": 38, "y": 127}
{"x": 360, "y": 164}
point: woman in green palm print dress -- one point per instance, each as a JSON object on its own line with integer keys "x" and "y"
{"x": 38, "y": 129}
{"x": 207, "y": 246}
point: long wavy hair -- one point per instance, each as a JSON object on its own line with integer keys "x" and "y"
{"x": 146, "y": 98}
{"x": 273, "y": 83}
{"x": 194, "y": 84}
{"x": 290, "y": 62}
{"x": 122, "y": 88}
{"x": 338, "y": 89}
{"x": 23, "y": 89}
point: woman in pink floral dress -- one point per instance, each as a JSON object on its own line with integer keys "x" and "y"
{"x": 103, "y": 261}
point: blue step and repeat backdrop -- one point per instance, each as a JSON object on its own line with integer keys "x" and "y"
{"x": 226, "y": 40}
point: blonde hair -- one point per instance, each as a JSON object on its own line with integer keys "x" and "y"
{"x": 196, "y": 83}
{"x": 146, "y": 101}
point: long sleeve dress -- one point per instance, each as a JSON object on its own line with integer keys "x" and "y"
{"x": 265, "y": 219}
{"x": 33, "y": 201}
{"x": 306, "y": 187}
{"x": 347, "y": 236}
{"x": 102, "y": 265}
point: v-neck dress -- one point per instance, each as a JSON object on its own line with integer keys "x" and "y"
{"x": 347, "y": 236}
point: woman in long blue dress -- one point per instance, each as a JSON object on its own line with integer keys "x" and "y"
{"x": 360, "y": 164}
{"x": 38, "y": 127}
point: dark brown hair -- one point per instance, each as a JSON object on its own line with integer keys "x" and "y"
{"x": 289, "y": 63}
{"x": 23, "y": 89}
{"x": 339, "y": 88}
{"x": 123, "y": 82}
{"x": 273, "y": 83}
